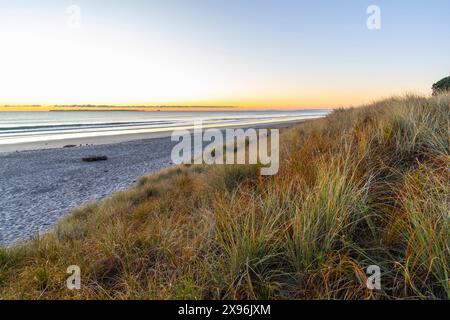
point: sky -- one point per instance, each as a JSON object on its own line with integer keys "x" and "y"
{"x": 246, "y": 53}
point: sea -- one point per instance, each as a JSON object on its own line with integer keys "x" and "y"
{"x": 29, "y": 127}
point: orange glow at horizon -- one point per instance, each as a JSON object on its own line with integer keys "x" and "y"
{"x": 286, "y": 102}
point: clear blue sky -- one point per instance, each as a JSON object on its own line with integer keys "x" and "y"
{"x": 256, "y": 53}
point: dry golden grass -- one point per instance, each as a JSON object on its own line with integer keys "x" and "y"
{"x": 361, "y": 187}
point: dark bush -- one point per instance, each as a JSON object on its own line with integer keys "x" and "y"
{"x": 442, "y": 85}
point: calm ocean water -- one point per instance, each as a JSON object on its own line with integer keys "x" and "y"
{"x": 23, "y": 127}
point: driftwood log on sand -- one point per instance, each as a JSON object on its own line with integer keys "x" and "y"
{"x": 95, "y": 158}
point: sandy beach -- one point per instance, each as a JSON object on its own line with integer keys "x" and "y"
{"x": 39, "y": 187}
{"x": 41, "y": 184}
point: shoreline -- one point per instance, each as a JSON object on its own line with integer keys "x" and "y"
{"x": 41, "y": 186}
{"x": 120, "y": 138}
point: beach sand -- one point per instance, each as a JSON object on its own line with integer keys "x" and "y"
{"x": 41, "y": 185}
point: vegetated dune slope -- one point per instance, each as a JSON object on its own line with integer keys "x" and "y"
{"x": 364, "y": 186}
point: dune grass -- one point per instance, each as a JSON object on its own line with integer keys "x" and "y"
{"x": 364, "y": 186}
